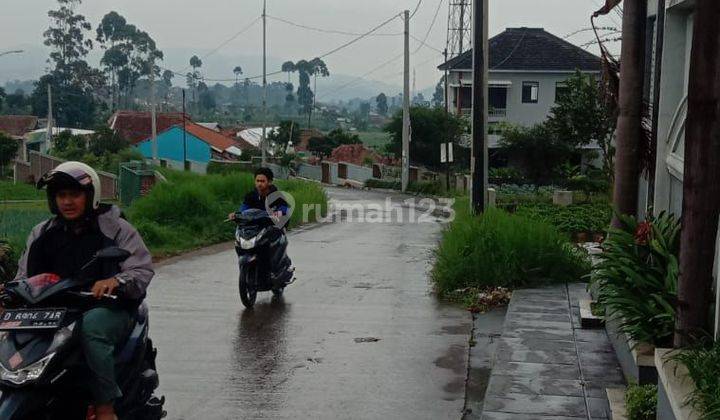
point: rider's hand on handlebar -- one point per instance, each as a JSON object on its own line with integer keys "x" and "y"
{"x": 231, "y": 216}
{"x": 104, "y": 287}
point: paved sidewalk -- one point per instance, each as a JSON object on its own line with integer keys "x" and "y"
{"x": 545, "y": 366}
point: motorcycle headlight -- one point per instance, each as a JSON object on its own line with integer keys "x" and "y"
{"x": 26, "y": 374}
{"x": 248, "y": 243}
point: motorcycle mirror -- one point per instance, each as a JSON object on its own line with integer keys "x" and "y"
{"x": 113, "y": 253}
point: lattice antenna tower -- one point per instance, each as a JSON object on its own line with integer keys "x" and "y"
{"x": 459, "y": 35}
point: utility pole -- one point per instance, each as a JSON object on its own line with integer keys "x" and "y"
{"x": 406, "y": 108}
{"x": 478, "y": 159}
{"x": 153, "y": 116}
{"x": 48, "y": 134}
{"x": 447, "y": 122}
{"x": 184, "y": 134}
{"x": 264, "y": 128}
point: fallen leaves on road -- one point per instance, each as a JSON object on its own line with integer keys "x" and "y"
{"x": 479, "y": 300}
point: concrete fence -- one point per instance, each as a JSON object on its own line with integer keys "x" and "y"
{"x": 38, "y": 164}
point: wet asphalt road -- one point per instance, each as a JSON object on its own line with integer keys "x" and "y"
{"x": 298, "y": 357}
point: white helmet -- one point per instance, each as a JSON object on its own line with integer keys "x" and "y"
{"x": 72, "y": 175}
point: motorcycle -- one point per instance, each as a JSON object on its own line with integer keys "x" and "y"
{"x": 258, "y": 242}
{"x": 42, "y": 367}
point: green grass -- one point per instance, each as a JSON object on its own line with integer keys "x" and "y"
{"x": 374, "y": 139}
{"x": 188, "y": 212}
{"x": 10, "y": 191}
{"x": 594, "y": 218}
{"x": 501, "y": 249}
{"x": 16, "y": 222}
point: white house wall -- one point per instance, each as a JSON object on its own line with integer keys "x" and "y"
{"x": 673, "y": 89}
{"x": 517, "y": 112}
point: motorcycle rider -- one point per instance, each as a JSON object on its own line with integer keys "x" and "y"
{"x": 62, "y": 245}
{"x": 281, "y": 266}
{"x": 256, "y": 198}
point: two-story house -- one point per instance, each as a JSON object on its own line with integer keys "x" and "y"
{"x": 528, "y": 68}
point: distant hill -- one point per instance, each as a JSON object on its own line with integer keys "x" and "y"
{"x": 31, "y": 64}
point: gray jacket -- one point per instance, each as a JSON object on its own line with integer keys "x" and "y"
{"x": 136, "y": 271}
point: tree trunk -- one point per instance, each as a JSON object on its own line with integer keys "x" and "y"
{"x": 629, "y": 127}
{"x": 701, "y": 190}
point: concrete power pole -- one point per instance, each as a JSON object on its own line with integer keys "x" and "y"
{"x": 48, "y": 134}
{"x": 479, "y": 157}
{"x": 264, "y": 128}
{"x": 153, "y": 117}
{"x": 406, "y": 108}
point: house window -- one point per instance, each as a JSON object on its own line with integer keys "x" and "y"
{"x": 561, "y": 89}
{"x": 497, "y": 98}
{"x": 530, "y": 92}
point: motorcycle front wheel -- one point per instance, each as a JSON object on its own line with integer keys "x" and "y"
{"x": 248, "y": 285}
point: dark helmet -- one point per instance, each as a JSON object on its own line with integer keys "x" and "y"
{"x": 72, "y": 175}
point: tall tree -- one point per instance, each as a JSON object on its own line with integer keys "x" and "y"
{"x": 701, "y": 190}
{"x": 629, "y": 125}
{"x": 288, "y": 67}
{"x": 317, "y": 68}
{"x": 73, "y": 81}
{"x": 237, "y": 71}
{"x": 110, "y": 33}
{"x": 2, "y": 97}
{"x": 382, "y": 104}
{"x": 195, "y": 63}
{"x": 66, "y": 38}
{"x": 304, "y": 93}
{"x": 130, "y": 54}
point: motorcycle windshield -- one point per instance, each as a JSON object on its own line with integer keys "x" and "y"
{"x": 36, "y": 285}
{"x": 38, "y": 288}
{"x": 253, "y": 217}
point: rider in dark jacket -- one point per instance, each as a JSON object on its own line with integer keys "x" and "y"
{"x": 65, "y": 243}
{"x": 281, "y": 270}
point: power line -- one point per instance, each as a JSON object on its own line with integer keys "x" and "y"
{"x": 432, "y": 24}
{"x": 417, "y": 7}
{"x": 360, "y": 78}
{"x": 366, "y": 34}
{"x": 326, "y": 31}
{"x": 341, "y": 47}
{"x": 229, "y": 40}
{"x": 424, "y": 44}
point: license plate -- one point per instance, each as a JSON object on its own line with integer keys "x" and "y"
{"x": 31, "y": 319}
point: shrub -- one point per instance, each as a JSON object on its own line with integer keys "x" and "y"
{"x": 641, "y": 402}
{"x": 703, "y": 364}
{"x": 636, "y": 277}
{"x": 426, "y": 187}
{"x": 571, "y": 219}
{"x": 11, "y": 191}
{"x": 188, "y": 211}
{"x": 501, "y": 249}
{"x": 379, "y": 183}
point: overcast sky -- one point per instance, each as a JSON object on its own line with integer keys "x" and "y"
{"x": 182, "y": 27}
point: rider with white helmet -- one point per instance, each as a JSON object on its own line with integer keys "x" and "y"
{"x": 62, "y": 245}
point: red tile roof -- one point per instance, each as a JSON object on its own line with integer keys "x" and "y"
{"x": 211, "y": 137}
{"x": 136, "y": 126}
{"x": 18, "y": 125}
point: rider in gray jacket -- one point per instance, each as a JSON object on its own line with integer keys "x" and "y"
{"x": 65, "y": 243}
